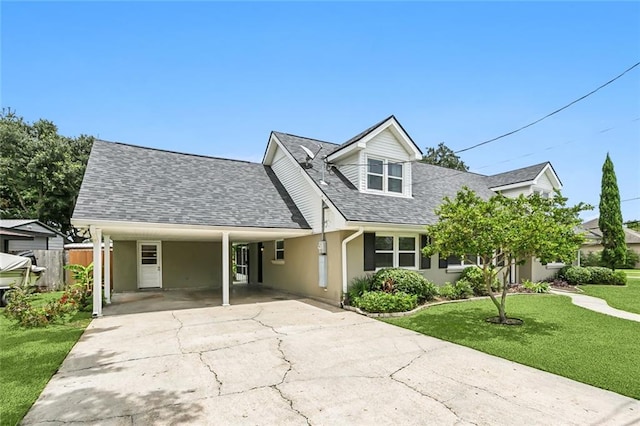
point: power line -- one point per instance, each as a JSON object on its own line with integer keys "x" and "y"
{"x": 630, "y": 199}
{"x": 550, "y": 114}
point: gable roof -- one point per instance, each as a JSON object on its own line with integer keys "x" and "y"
{"x": 523, "y": 175}
{"x": 137, "y": 184}
{"x": 19, "y": 224}
{"x": 429, "y": 185}
{"x": 388, "y": 123}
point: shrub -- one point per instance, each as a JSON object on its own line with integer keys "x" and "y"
{"x": 575, "y": 275}
{"x": 473, "y": 275}
{"x": 599, "y": 275}
{"x": 591, "y": 259}
{"x": 21, "y": 308}
{"x": 393, "y": 280}
{"x": 358, "y": 287}
{"x": 380, "y": 301}
{"x": 632, "y": 259}
{"x": 618, "y": 278}
{"x": 540, "y": 287}
{"x": 462, "y": 289}
{"x": 82, "y": 290}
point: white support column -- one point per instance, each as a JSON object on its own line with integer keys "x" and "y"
{"x": 107, "y": 268}
{"x": 96, "y": 237}
{"x": 225, "y": 269}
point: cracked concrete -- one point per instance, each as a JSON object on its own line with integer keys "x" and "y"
{"x": 290, "y": 363}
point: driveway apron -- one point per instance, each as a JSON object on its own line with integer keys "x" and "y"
{"x": 290, "y": 363}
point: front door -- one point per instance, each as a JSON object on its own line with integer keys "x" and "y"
{"x": 149, "y": 264}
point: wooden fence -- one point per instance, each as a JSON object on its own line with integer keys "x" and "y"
{"x": 53, "y": 260}
{"x": 84, "y": 257}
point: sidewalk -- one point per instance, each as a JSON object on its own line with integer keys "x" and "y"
{"x": 597, "y": 305}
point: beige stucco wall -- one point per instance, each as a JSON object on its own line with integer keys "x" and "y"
{"x": 125, "y": 275}
{"x": 355, "y": 264}
{"x": 298, "y": 274}
{"x": 184, "y": 265}
{"x": 188, "y": 264}
{"x": 535, "y": 271}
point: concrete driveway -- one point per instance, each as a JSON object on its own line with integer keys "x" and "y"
{"x": 288, "y": 362}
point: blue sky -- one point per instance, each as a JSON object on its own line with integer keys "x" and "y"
{"x": 215, "y": 78}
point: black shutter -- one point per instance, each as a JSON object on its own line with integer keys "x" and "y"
{"x": 369, "y": 251}
{"x": 425, "y": 262}
{"x": 442, "y": 262}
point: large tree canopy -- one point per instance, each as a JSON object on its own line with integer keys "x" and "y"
{"x": 445, "y": 157}
{"x": 502, "y": 231}
{"x": 40, "y": 171}
{"x": 610, "y": 221}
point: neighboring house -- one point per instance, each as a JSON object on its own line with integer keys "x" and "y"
{"x": 313, "y": 214}
{"x": 593, "y": 238}
{"x": 18, "y": 235}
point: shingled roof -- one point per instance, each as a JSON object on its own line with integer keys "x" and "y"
{"x": 429, "y": 185}
{"x": 525, "y": 174}
{"x": 136, "y": 184}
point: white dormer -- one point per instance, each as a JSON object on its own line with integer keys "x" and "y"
{"x": 539, "y": 179}
{"x": 378, "y": 160}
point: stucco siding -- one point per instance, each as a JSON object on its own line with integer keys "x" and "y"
{"x": 299, "y": 274}
{"x": 188, "y": 264}
{"x": 302, "y": 193}
{"x": 125, "y": 275}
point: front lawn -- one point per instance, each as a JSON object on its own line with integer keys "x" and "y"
{"x": 29, "y": 358}
{"x": 557, "y": 336}
{"x": 626, "y": 298}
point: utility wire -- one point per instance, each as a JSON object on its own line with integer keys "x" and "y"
{"x": 550, "y": 114}
{"x": 630, "y": 199}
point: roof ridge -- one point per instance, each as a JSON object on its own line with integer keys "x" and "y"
{"x": 305, "y": 137}
{"x": 522, "y": 168}
{"x": 448, "y": 168}
{"x": 175, "y": 152}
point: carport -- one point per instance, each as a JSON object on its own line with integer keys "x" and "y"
{"x": 149, "y": 239}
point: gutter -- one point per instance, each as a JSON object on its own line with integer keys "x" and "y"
{"x": 344, "y": 260}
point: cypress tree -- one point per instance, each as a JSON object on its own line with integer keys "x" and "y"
{"x": 610, "y": 222}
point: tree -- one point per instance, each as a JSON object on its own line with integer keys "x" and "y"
{"x": 40, "y": 171}
{"x": 445, "y": 157}
{"x": 610, "y": 220}
{"x": 500, "y": 231}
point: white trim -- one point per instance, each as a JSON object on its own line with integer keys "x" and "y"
{"x": 385, "y": 177}
{"x": 225, "y": 269}
{"x": 158, "y": 244}
{"x": 555, "y": 265}
{"x": 277, "y": 262}
{"x": 276, "y": 249}
{"x": 106, "y": 258}
{"x": 85, "y": 223}
{"x": 395, "y": 128}
{"x": 396, "y": 250}
{"x": 345, "y": 275}
{"x": 96, "y": 236}
{"x": 386, "y": 227}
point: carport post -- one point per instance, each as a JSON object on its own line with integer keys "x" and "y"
{"x": 107, "y": 268}
{"x": 225, "y": 269}
{"x": 96, "y": 237}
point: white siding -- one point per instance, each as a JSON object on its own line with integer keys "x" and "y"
{"x": 352, "y": 167}
{"x": 385, "y": 145}
{"x": 38, "y": 243}
{"x": 544, "y": 184}
{"x": 300, "y": 190}
{"x": 515, "y": 192}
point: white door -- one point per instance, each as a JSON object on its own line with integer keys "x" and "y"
{"x": 149, "y": 264}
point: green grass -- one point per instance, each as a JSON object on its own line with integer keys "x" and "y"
{"x": 557, "y": 336}
{"x": 626, "y": 297}
{"x": 29, "y": 357}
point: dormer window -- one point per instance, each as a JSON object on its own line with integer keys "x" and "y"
{"x": 383, "y": 175}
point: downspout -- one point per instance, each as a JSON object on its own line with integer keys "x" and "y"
{"x": 344, "y": 260}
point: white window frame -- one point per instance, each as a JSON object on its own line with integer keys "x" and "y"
{"x": 277, "y": 250}
{"x": 396, "y": 250}
{"x": 385, "y": 176}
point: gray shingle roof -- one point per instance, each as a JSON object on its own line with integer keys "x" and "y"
{"x": 12, "y": 223}
{"x": 129, "y": 183}
{"x": 630, "y": 236}
{"x": 430, "y": 184}
{"x": 524, "y": 174}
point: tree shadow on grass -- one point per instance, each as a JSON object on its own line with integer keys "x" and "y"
{"x": 470, "y": 325}
{"x": 95, "y": 406}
